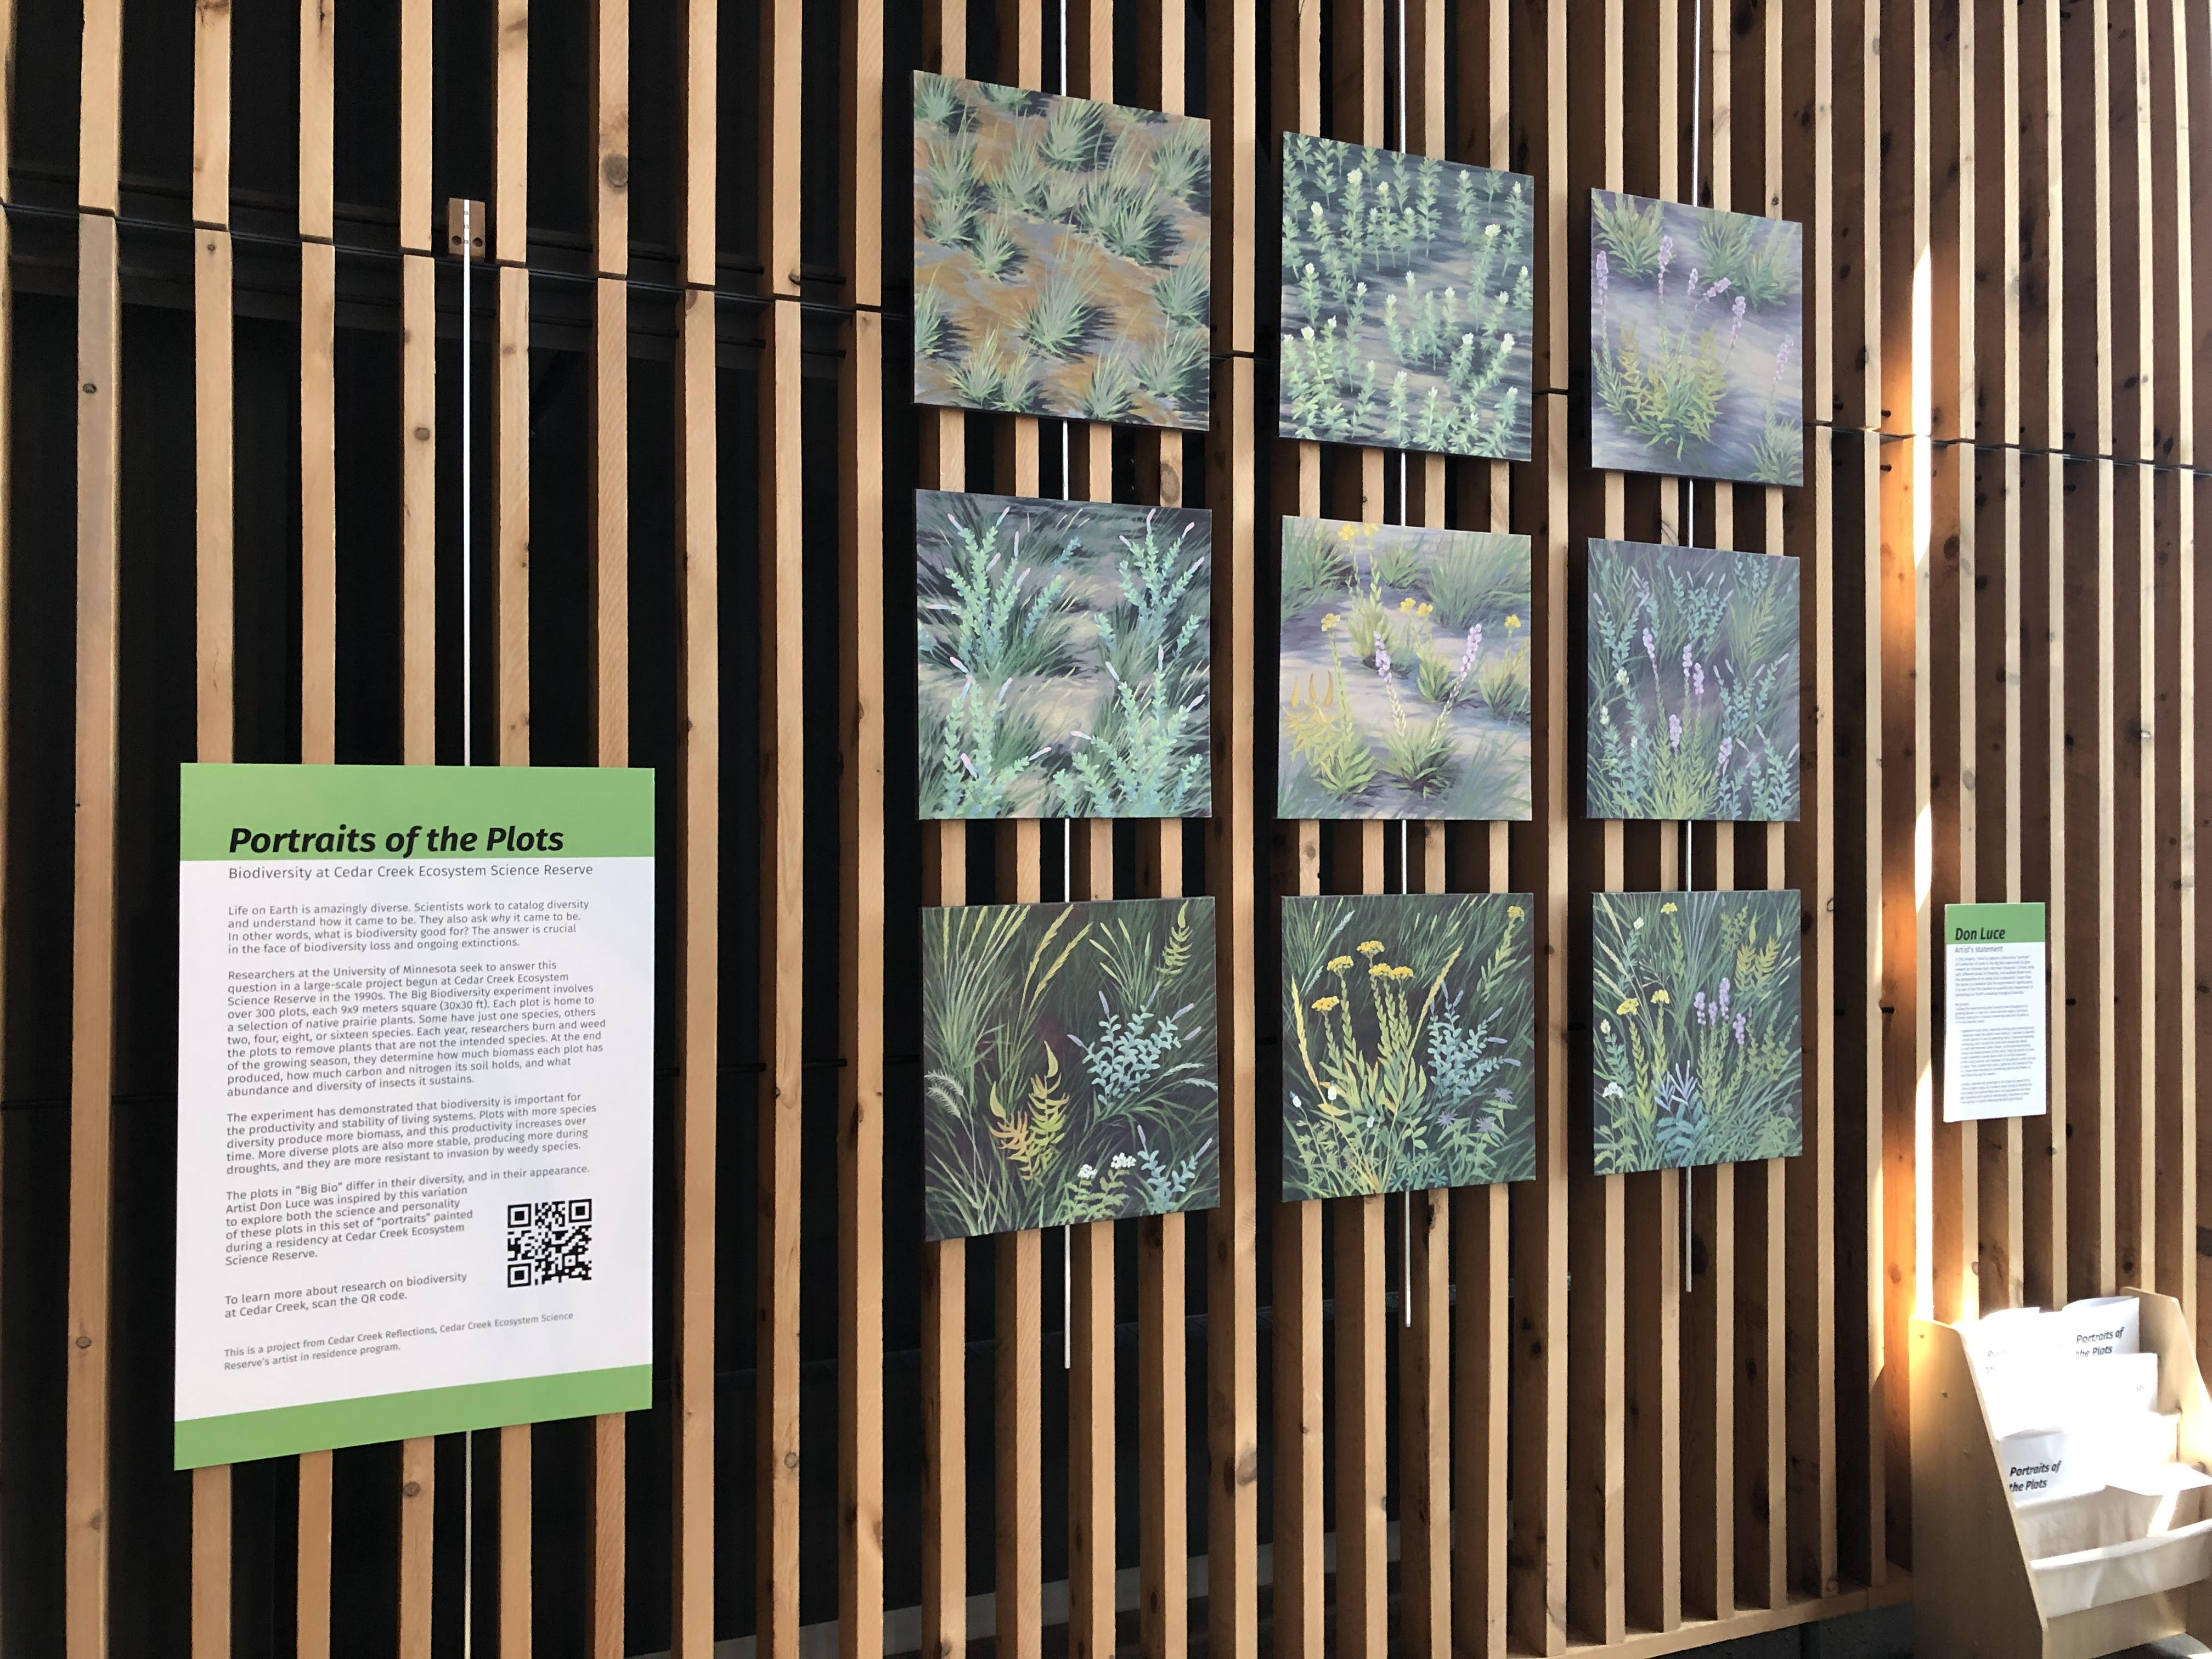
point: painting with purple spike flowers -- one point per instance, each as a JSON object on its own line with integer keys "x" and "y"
{"x": 1697, "y": 1028}
{"x": 1693, "y": 704}
{"x": 1697, "y": 341}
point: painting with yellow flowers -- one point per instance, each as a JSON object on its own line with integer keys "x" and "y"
{"x": 1069, "y": 1064}
{"x": 1697, "y": 1029}
{"x": 1409, "y": 1040}
{"x": 1406, "y": 687}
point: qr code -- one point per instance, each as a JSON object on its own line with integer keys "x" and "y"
{"x": 548, "y": 1241}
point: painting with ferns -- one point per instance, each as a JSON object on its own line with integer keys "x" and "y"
{"x": 1070, "y": 1071}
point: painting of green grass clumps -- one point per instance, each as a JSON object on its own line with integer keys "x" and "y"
{"x": 1697, "y": 1029}
{"x": 1409, "y": 1040}
{"x": 1062, "y": 256}
{"x": 1694, "y": 683}
{"x": 1069, "y": 1057}
{"x": 1697, "y": 341}
{"x": 1407, "y": 302}
{"x": 1063, "y": 655}
{"x": 1406, "y": 680}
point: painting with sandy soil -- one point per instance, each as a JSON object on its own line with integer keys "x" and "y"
{"x": 1694, "y": 683}
{"x": 1063, "y": 651}
{"x": 1070, "y": 1064}
{"x": 1408, "y": 301}
{"x": 1409, "y": 1042}
{"x": 1405, "y": 674}
{"x": 1062, "y": 256}
{"x": 1697, "y": 341}
{"x": 1697, "y": 1028}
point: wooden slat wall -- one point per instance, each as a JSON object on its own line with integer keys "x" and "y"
{"x": 1996, "y": 546}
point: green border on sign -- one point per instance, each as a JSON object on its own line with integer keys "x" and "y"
{"x": 287, "y": 1431}
{"x": 597, "y": 811}
{"x": 1996, "y": 924}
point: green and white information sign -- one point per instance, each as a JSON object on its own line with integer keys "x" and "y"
{"x": 414, "y": 1102}
{"x": 1996, "y": 1013}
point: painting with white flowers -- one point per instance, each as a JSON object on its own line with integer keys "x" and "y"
{"x": 1408, "y": 302}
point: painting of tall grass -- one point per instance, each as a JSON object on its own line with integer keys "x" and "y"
{"x": 1069, "y": 1064}
{"x": 1408, "y": 301}
{"x": 1694, "y": 683}
{"x": 1697, "y": 341}
{"x": 1062, "y": 256}
{"x": 1063, "y": 653}
{"x": 1409, "y": 1040}
{"x": 1696, "y": 1028}
{"x": 1406, "y": 680}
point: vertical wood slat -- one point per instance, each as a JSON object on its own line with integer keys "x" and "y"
{"x": 100, "y": 102}
{"x": 944, "y": 1262}
{"x": 782, "y": 910}
{"x": 2086, "y": 407}
{"x": 418, "y": 1496}
{"x": 1763, "y": 1206}
{"x": 513, "y": 1538}
{"x": 1299, "y": 1591}
{"x": 1540, "y": 1233}
{"x": 609, "y": 93}
{"x": 1092, "y": 1555}
{"x": 1357, "y": 1279}
{"x": 211, "y": 115}
{"x": 1162, "y": 1534}
{"x": 2045, "y": 1270}
{"x": 1854, "y": 358}
{"x": 1424, "y": 1401}
{"x": 691, "y": 1619}
{"x": 418, "y": 491}
{"x": 415, "y": 113}
{"x": 92, "y": 927}
{"x": 1232, "y": 1230}
{"x": 511, "y": 499}
{"x": 318, "y": 505}
{"x": 1355, "y": 95}
{"x": 1596, "y": 1429}
{"x": 609, "y": 439}
{"x": 2167, "y": 46}
{"x": 2134, "y": 735}
{"x": 1090, "y": 1477}
{"x": 1482, "y": 1346}
{"x": 1998, "y": 753}
{"x": 862, "y": 823}
{"x": 213, "y": 527}
{"x": 698, "y": 774}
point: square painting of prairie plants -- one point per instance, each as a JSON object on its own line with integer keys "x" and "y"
{"x": 1697, "y": 1034}
{"x": 1063, "y": 655}
{"x": 1694, "y": 683}
{"x": 1697, "y": 341}
{"x": 1407, "y": 303}
{"x": 1406, "y": 688}
{"x": 1409, "y": 1042}
{"x": 1069, "y": 1064}
{"x": 1062, "y": 259}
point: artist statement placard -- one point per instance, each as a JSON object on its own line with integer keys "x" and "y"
{"x": 1996, "y": 1015}
{"x": 414, "y": 1102}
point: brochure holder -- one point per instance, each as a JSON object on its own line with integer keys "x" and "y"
{"x": 1988, "y": 1586}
